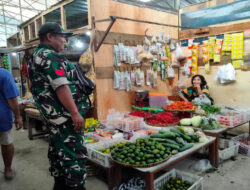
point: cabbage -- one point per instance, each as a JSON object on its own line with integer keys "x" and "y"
{"x": 196, "y": 121}
{"x": 185, "y": 121}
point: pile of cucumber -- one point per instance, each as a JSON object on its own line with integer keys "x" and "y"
{"x": 176, "y": 140}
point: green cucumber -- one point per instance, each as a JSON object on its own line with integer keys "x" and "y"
{"x": 166, "y": 134}
{"x": 171, "y": 145}
{"x": 187, "y": 146}
{"x": 186, "y": 137}
{"x": 181, "y": 141}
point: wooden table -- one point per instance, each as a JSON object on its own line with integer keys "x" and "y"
{"x": 150, "y": 171}
{"x": 216, "y": 133}
{"x": 33, "y": 113}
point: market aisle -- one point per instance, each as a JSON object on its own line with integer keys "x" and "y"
{"x": 31, "y": 164}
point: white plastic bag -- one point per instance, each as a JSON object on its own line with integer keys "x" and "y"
{"x": 186, "y": 69}
{"x": 202, "y": 165}
{"x": 201, "y": 100}
{"x": 225, "y": 74}
{"x": 171, "y": 72}
{"x": 179, "y": 53}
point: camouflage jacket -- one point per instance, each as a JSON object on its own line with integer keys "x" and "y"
{"x": 47, "y": 71}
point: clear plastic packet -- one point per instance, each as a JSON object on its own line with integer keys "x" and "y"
{"x": 116, "y": 80}
{"x": 170, "y": 71}
{"x": 179, "y": 53}
{"x": 148, "y": 73}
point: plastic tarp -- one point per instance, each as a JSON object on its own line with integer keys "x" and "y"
{"x": 229, "y": 12}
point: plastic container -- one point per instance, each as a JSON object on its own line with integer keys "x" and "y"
{"x": 99, "y": 157}
{"x": 243, "y": 148}
{"x": 230, "y": 120}
{"x": 197, "y": 181}
{"x": 141, "y": 98}
{"x": 125, "y": 122}
{"x": 157, "y": 100}
{"x": 230, "y": 149}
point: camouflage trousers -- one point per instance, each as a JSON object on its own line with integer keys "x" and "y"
{"x": 67, "y": 155}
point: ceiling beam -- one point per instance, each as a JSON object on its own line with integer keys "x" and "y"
{"x": 20, "y": 10}
{"x": 25, "y": 8}
{"x": 4, "y": 21}
{"x": 15, "y": 14}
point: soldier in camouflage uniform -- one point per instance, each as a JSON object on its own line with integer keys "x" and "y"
{"x": 62, "y": 105}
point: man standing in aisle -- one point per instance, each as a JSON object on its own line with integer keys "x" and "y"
{"x": 8, "y": 103}
{"x": 62, "y": 105}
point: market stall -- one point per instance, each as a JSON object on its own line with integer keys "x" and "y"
{"x": 140, "y": 60}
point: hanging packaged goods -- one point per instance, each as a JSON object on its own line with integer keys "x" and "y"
{"x": 217, "y": 50}
{"x": 195, "y": 51}
{"x": 227, "y": 43}
{"x": 237, "y": 50}
{"x": 205, "y": 56}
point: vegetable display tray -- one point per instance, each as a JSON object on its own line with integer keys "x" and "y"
{"x": 243, "y": 148}
{"x": 175, "y": 110}
{"x": 141, "y": 166}
{"x": 230, "y": 149}
{"x": 197, "y": 181}
{"x": 161, "y": 125}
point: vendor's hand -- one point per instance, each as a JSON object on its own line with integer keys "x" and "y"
{"x": 197, "y": 86}
{"x": 18, "y": 123}
{"x": 78, "y": 122}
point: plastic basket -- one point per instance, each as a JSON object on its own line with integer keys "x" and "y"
{"x": 243, "y": 148}
{"x": 230, "y": 149}
{"x": 127, "y": 123}
{"x": 197, "y": 181}
{"x": 230, "y": 121}
{"x": 99, "y": 157}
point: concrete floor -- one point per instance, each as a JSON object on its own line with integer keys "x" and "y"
{"x": 31, "y": 164}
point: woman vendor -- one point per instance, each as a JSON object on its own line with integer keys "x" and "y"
{"x": 199, "y": 87}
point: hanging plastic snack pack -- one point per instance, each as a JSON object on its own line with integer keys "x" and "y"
{"x": 154, "y": 79}
{"x": 117, "y": 56}
{"x": 179, "y": 53}
{"x": 148, "y": 73}
{"x": 142, "y": 77}
{"x": 186, "y": 68}
{"x": 217, "y": 51}
{"x": 171, "y": 73}
{"x": 205, "y": 56}
{"x": 132, "y": 78}
{"x": 137, "y": 77}
{"x": 211, "y": 48}
{"x": 161, "y": 36}
{"x": 116, "y": 80}
{"x": 168, "y": 39}
{"x": 128, "y": 81}
{"x": 172, "y": 46}
{"x": 194, "y": 63}
{"x": 122, "y": 81}
{"x": 154, "y": 39}
{"x": 237, "y": 50}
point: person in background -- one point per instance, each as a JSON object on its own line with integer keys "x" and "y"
{"x": 62, "y": 105}
{"x": 199, "y": 87}
{"x": 8, "y": 104}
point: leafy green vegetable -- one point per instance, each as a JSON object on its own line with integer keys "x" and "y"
{"x": 210, "y": 109}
